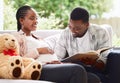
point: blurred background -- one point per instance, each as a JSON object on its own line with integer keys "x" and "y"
{"x": 54, "y": 14}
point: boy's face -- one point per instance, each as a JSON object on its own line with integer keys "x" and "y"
{"x": 78, "y": 27}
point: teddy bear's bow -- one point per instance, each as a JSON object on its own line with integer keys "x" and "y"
{"x": 9, "y": 52}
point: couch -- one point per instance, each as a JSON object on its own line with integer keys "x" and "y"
{"x": 113, "y": 66}
{"x": 113, "y": 62}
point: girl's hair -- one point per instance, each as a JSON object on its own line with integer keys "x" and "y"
{"x": 21, "y": 12}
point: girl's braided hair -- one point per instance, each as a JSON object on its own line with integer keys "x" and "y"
{"x": 21, "y": 12}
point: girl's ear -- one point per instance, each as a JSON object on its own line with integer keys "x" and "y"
{"x": 21, "y": 21}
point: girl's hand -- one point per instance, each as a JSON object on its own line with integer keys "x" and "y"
{"x": 45, "y": 50}
{"x": 54, "y": 62}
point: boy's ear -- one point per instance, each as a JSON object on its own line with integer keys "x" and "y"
{"x": 88, "y": 24}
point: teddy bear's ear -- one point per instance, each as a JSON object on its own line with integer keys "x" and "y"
{"x": 1, "y": 43}
{"x": 0, "y": 35}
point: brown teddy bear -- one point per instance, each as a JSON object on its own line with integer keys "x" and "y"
{"x": 13, "y": 66}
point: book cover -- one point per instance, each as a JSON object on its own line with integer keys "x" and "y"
{"x": 79, "y": 56}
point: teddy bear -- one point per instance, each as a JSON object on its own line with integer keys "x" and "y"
{"x": 12, "y": 65}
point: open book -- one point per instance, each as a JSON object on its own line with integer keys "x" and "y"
{"x": 77, "y": 57}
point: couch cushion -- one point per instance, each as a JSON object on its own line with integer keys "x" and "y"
{"x": 46, "y": 33}
{"x": 39, "y": 33}
{"x": 52, "y": 40}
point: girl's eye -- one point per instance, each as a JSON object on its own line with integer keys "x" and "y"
{"x": 33, "y": 18}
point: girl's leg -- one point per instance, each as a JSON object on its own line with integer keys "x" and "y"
{"x": 64, "y": 73}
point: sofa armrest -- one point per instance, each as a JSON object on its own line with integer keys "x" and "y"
{"x": 113, "y": 66}
{"x": 22, "y": 81}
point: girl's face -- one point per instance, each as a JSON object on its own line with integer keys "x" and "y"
{"x": 29, "y": 22}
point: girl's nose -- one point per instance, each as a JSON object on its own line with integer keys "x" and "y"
{"x": 36, "y": 21}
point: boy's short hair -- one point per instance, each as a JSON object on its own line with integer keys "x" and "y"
{"x": 79, "y": 14}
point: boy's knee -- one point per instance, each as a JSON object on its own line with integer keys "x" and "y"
{"x": 79, "y": 69}
{"x": 92, "y": 78}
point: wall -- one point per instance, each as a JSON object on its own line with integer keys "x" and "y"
{"x": 114, "y": 22}
{"x": 1, "y": 14}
